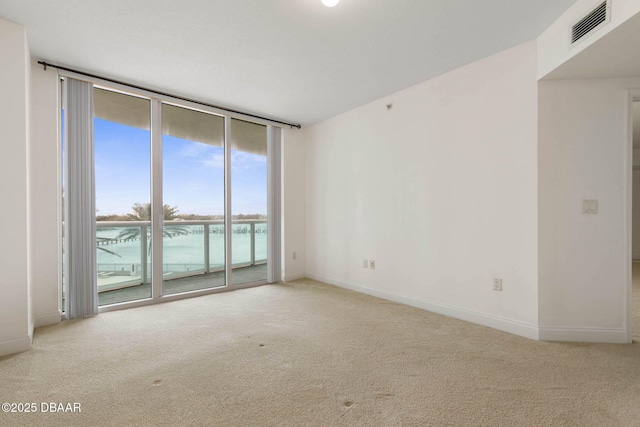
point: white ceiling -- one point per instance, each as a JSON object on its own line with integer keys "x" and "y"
{"x": 293, "y": 60}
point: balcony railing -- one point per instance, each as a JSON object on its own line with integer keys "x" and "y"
{"x": 189, "y": 248}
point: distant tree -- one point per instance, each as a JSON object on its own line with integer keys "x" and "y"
{"x": 249, "y": 216}
{"x": 142, "y": 212}
{"x": 196, "y": 217}
{"x": 112, "y": 217}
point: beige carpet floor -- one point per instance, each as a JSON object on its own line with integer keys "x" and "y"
{"x": 308, "y": 354}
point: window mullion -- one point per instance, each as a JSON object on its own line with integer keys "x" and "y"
{"x": 157, "y": 211}
{"x": 228, "y": 220}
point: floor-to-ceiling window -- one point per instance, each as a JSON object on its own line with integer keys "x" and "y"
{"x": 249, "y": 201}
{"x": 181, "y": 202}
{"x": 122, "y": 150}
{"x": 193, "y": 200}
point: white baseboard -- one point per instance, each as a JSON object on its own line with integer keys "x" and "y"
{"x": 48, "y": 319}
{"x": 593, "y": 335}
{"x": 506, "y": 325}
{"x": 15, "y": 346}
{"x": 291, "y": 278}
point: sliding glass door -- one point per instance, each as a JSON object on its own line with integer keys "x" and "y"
{"x": 249, "y": 201}
{"x": 182, "y": 198}
{"x": 122, "y": 152}
{"x": 193, "y": 182}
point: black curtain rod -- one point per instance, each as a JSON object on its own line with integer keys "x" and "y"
{"x": 59, "y": 67}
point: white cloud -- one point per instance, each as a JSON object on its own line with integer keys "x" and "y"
{"x": 214, "y": 161}
{"x": 196, "y": 149}
{"x": 241, "y": 160}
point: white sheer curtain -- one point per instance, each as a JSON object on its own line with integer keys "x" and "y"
{"x": 80, "y": 212}
{"x": 274, "y": 204}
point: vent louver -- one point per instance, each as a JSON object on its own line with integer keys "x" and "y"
{"x": 598, "y": 16}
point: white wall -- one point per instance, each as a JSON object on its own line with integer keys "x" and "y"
{"x": 584, "y": 153}
{"x": 635, "y": 252}
{"x": 293, "y": 204}
{"x": 441, "y": 191}
{"x": 636, "y": 183}
{"x": 554, "y": 44}
{"x": 44, "y": 196}
{"x": 15, "y": 317}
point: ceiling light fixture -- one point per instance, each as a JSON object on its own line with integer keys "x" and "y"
{"x": 330, "y": 3}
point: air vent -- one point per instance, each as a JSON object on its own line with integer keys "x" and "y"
{"x": 589, "y": 23}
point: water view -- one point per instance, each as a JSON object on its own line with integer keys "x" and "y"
{"x": 122, "y": 250}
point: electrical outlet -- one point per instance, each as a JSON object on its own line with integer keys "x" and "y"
{"x": 372, "y": 264}
{"x": 365, "y": 263}
{"x": 295, "y": 256}
{"x": 497, "y": 285}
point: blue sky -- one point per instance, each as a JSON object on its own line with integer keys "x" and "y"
{"x": 193, "y": 174}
